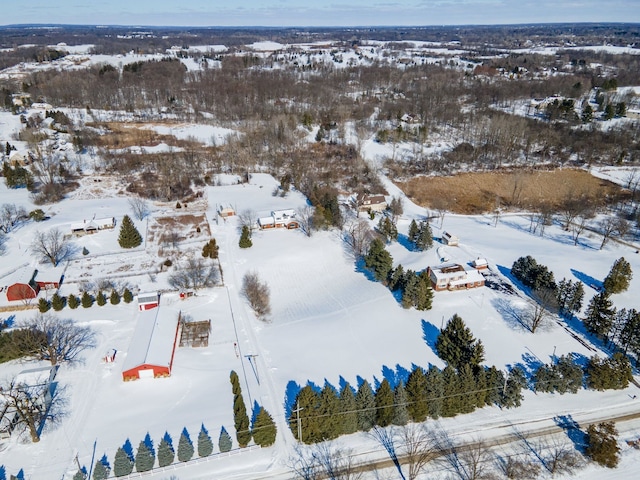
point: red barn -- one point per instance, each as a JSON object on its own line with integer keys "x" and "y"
{"x": 153, "y": 345}
{"x": 147, "y": 301}
{"x": 27, "y": 290}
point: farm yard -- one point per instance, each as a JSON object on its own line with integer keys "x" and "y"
{"x": 170, "y": 215}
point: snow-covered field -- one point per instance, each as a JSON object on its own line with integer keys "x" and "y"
{"x": 329, "y": 323}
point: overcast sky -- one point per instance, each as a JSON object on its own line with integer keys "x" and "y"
{"x": 315, "y": 12}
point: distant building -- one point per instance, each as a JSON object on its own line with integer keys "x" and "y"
{"x": 227, "y": 211}
{"x": 452, "y": 276}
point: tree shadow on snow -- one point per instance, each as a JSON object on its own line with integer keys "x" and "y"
{"x": 588, "y": 280}
{"x": 430, "y": 334}
{"x": 573, "y": 431}
{"x": 510, "y": 313}
{"x": 394, "y": 377}
{"x": 404, "y": 241}
{"x": 361, "y": 268}
{"x": 290, "y": 393}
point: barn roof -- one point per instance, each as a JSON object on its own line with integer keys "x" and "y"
{"x": 153, "y": 339}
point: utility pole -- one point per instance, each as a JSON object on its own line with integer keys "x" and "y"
{"x": 253, "y": 366}
{"x": 299, "y": 421}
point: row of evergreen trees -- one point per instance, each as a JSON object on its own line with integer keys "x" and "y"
{"x": 414, "y": 288}
{"x": 263, "y": 429}
{"x": 600, "y": 374}
{"x": 87, "y": 300}
{"x": 144, "y": 459}
{"x": 327, "y": 414}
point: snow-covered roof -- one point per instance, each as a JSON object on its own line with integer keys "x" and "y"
{"x": 455, "y": 274}
{"x": 283, "y": 214}
{"x": 94, "y": 224}
{"x": 153, "y": 339}
{"x": 36, "y": 376}
{"x": 148, "y": 297}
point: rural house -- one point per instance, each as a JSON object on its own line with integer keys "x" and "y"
{"x": 374, "y": 203}
{"x": 153, "y": 344}
{"x": 279, "y": 219}
{"x": 93, "y": 226}
{"x": 453, "y": 276}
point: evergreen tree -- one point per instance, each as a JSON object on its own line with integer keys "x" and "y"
{"x": 545, "y": 379}
{"x": 101, "y": 469}
{"x": 241, "y": 420}
{"x": 185, "y": 446}
{"x": 114, "y": 298}
{"x": 417, "y": 398}
{"x": 235, "y": 383}
{"x": 619, "y": 277}
{"x": 245, "y": 238}
{"x": 613, "y": 373}
{"x": 129, "y": 236}
{"x": 494, "y": 383}
{"x": 599, "y": 315}
{"x": 411, "y": 289}
{"x": 384, "y": 404}
{"x": 457, "y": 346}
{"x": 468, "y": 388}
{"x": 574, "y": 300}
{"x": 387, "y": 229}
{"x": 306, "y": 404}
{"x": 166, "y": 454}
{"x": 224, "y": 441}
{"x": 101, "y": 299}
{"x": 210, "y": 249}
{"x": 80, "y": 475}
{"x": 425, "y": 292}
{"x": 127, "y": 296}
{"x": 378, "y": 260}
{"x": 205, "y": 444}
{"x": 86, "y": 300}
{"x": 396, "y": 278}
{"x": 144, "y": 458}
{"x": 434, "y": 391}
{"x": 571, "y": 375}
{"x": 587, "y": 113}
{"x": 328, "y": 408}
{"x": 452, "y": 398}
{"x": 44, "y": 305}
{"x": 348, "y": 413}
{"x": 424, "y": 239}
{"x": 511, "y": 396}
{"x": 366, "y": 406}
{"x": 400, "y": 412}
{"x": 412, "y": 235}
{"x": 602, "y": 444}
{"x": 123, "y": 464}
{"x": 264, "y": 429}
{"x": 73, "y": 302}
{"x": 57, "y": 302}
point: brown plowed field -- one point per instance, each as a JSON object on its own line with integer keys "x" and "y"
{"x": 472, "y": 193}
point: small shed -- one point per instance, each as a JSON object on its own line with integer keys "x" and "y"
{"x": 149, "y": 300}
{"x": 227, "y": 211}
{"x": 480, "y": 263}
{"x": 449, "y": 239}
{"x": 153, "y": 344}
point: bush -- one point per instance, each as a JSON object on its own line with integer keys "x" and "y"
{"x": 87, "y": 300}
{"x": 114, "y": 298}
{"x": 73, "y": 301}
{"x": 44, "y": 305}
{"x": 602, "y": 444}
{"x": 127, "y": 296}
{"x": 257, "y": 293}
{"x": 58, "y": 302}
{"x": 101, "y": 299}
{"x": 37, "y": 215}
{"x": 85, "y": 251}
{"x": 245, "y": 238}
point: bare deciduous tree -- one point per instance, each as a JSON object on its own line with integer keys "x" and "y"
{"x": 248, "y": 218}
{"x": 30, "y": 406}
{"x": 58, "y": 339}
{"x": 466, "y": 462}
{"x": 578, "y": 225}
{"x": 518, "y": 467}
{"x": 139, "y": 207}
{"x": 257, "y": 294}
{"x": 542, "y": 309}
{"x": 335, "y": 462}
{"x": 304, "y": 216}
{"x": 358, "y": 235}
{"x": 52, "y": 246}
{"x": 417, "y": 447}
{"x": 611, "y": 226}
{"x": 387, "y": 438}
{"x": 10, "y": 216}
{"x": 194, "y": 274}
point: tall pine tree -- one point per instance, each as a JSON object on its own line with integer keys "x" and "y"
{"x": 348, "y": 413}
{"x": 129, "y": 236}
{"x": 400, "y": 412}
{"x": 600, "y": 314}
{"x": 166, "y": 454}
{"x": 264, "y": 429}
{"x": 619, "y": 277}
{"x": 457, "y": 346}
{"x": 185, "y": 446}
{"x": 416, "y": 389}
{"x": 123, "y": 464}
{"x": 384, "y": 404}
{"x": 366, "y": 404}
{"x": 378, "y": 260}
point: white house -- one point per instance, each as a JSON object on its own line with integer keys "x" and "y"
{"x": 92, "y": 226}
{"x": 279, "y": 219}
{"x": 453, "y": 276}
{"x": 449, "y": 239}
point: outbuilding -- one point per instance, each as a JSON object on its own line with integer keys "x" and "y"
{"x": 449, "y": 239}
{"x": 23, "y": 284}
{"x": 153, "y": 344}
{"x": 148, "y": 300}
